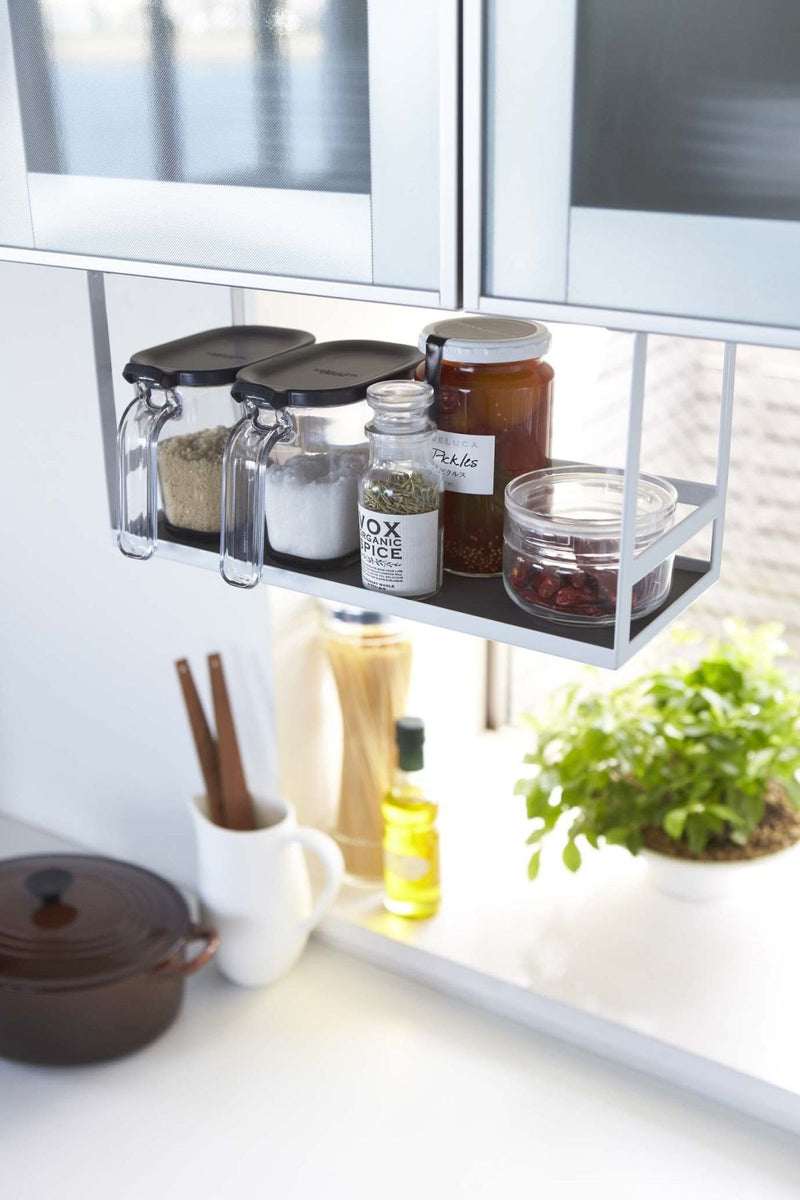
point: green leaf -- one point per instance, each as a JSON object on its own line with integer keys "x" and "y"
{"x": 672, "y": 731}
{"x": 533, "y": 864}
{"x": 571, "y": 856}
{"x": 726, "y": 813}
{"x": 792, "y": 789}
{"x": 674, "y": 823}
{"x": 697, "y": 833}
{"x": 536, "y": 836}
{"x": 616, "y": 837}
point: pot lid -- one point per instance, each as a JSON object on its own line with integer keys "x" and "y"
{"x": 212, "y": 358}
{"x": 488, "y": 339}
{"x": 77, "y": 920}
{"x": 326, "y": 374}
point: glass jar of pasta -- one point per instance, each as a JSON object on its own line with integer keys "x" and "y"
{"x": 493, "y": 409}
{"x": 370, "y": 657}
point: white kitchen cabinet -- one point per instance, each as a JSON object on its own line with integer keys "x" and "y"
{"x": 309, "y": 145}
{"x": 638, "y": 164}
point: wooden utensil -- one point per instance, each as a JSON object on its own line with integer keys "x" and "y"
{"x": 236, "y": 800}
{"x": 204, "y": 743}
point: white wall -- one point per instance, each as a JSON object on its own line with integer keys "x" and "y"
{"x": 93, "y": 740}
{"x": 94, "y": 743}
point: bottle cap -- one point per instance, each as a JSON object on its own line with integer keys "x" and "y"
{"x": 410, "y": 734}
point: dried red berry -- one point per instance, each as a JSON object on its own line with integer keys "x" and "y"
{"x": 548, "y": 585}
{"x": 577, "y": 579}
{"x": 530, "y": 596}
{"x": 519, "y": 575}
{"x": 607, "y": 585}
{"x": 567, "y": 597}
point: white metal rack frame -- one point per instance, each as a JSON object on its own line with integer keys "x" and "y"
{"x": 481, "y": 607}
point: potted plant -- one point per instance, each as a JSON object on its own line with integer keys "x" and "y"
{"x": 696, "y": 765}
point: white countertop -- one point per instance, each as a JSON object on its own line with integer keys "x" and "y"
{"x": 701, "y": 994}
{"x": 344, "y": 1082}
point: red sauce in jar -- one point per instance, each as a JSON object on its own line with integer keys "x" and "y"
{"x": 512, "y": 403}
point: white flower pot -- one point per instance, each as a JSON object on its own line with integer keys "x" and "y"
{"x": 689, "y": 880}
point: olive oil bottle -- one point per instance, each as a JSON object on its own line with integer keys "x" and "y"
{"x": 410, "y": 839}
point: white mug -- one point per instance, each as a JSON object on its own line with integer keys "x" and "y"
{"x": 254, "y": 888}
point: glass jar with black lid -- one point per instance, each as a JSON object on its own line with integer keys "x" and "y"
{"x": 292, "y": 464}
{"x": 172, "y": 436}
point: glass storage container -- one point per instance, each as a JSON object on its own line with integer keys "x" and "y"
{"x": 400, "y": 493}
{"x": 370, "y": 657}
{"x": 174, "y": 431}
{"x": 494, "y": 398}
{"x": 295, "y": 457}
{"x": 562, "y": 542}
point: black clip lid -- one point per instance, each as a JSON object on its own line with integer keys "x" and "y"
{"x": 329, "y": 373}
{"x": 212, "y": 358}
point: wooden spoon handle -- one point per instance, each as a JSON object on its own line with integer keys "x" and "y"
{"x": 236, "y": 800}
{"x": 203, "y": 741}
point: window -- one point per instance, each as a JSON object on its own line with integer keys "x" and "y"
{"x": 760, "y": 578}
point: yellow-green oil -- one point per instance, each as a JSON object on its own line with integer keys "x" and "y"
{"x": 410, "y": 849}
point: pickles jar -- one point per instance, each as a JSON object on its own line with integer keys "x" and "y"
{"x": 174, "y": 431}
{"x": 292, "y": 464}
{"x": 400, "y": 493}
{"x": 493, "y": 409}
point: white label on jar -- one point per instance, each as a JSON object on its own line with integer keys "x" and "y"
{"x": 399, "y": 554}
{"x": 466, "y": 460}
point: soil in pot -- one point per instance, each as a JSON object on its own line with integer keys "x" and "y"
{"x": 778, "y": 829}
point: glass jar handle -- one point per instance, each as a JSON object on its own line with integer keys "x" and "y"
{"x": 244, "y": 467}
{"x": 137, "y": 478}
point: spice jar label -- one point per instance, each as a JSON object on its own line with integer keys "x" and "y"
{"x": 466, "y": 461}
{"x": 400, "y": 554}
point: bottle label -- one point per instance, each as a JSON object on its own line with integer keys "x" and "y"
{"x": 406, "y": 866}
{"x": 400, "y": 554}
{"x": 466, "y": 460}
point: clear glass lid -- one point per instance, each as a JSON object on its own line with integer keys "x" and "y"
{"x": 588, "y": 501}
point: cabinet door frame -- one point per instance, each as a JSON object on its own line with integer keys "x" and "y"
{"x": 536, "y": 205}
{"x": 399, "y": 183}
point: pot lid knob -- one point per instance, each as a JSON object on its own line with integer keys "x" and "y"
{"x": 49, "y": 885}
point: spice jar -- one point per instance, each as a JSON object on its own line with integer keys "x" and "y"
{"x": 562, "y": 542}
{"x": 400, "y": 493}
{"x": 370, "y": 657}
{"x": 174, "y": 431}
{"x": 494, "y": 399}
{"x": 296, "y": 455}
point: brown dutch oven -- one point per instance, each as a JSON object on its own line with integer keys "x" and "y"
{"x": 92, "y": 957}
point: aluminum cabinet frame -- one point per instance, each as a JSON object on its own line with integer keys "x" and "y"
{"x": 546, "y": 258}
{"x": 397, "y": 244}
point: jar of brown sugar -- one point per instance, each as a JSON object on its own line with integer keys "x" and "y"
{"x": 494, "y": 400}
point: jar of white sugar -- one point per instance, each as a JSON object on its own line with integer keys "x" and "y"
{"x": 172, "y": 436}
{"x": 292, "y": 464}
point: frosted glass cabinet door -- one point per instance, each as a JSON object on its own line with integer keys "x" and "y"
{"x": 638, "y": 156}
{"x": 313, "y": 139}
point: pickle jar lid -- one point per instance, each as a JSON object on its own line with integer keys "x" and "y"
{"x": 487, "y": 339}
{"x": 78, "y": 920}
